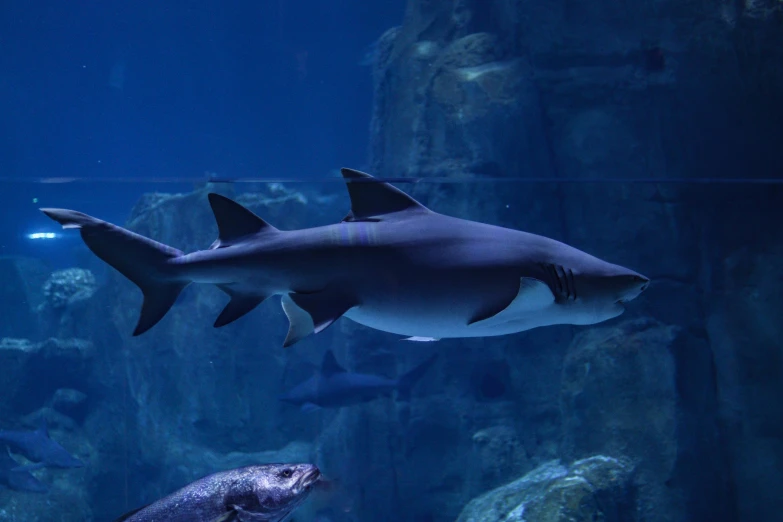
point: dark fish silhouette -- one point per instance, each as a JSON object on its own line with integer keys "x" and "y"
{"x": 38, "y": 447}
{"x": 391, "y": 264}
{"x": 17, "y": 477}
{"x": 333, "y": 386}
{"x": 267, "y": 493}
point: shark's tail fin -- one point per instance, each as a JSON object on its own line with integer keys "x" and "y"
{"x": 138, "y": 258}
{"x": 408, "y": 380}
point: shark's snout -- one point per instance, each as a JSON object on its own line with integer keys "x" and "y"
{"x": 633, "y": 285}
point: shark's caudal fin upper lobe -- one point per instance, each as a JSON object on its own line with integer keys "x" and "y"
{"x": 138, "y": 258}
{"x": 408, "y": 380}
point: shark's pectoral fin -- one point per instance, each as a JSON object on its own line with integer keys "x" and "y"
{"x": 313, "y": 313}
{"x": 532, "y": 295}
{"x": 418, "y": 339}
{"x": 239, "y": 305}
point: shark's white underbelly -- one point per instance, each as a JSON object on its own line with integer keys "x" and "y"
{"x": 443, "y": 327}
{"x": 441, "y": 322}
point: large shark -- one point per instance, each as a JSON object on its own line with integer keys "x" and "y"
{"x": 334, "y": 387}
{"x": 390, "y": 264}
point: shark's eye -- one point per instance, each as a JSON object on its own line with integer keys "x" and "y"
{"x": 286, "y": 473}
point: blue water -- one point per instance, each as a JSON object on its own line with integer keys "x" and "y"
{"x": 649, "y": 138}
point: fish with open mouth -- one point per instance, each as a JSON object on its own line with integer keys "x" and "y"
{"x": 264, "y": 493}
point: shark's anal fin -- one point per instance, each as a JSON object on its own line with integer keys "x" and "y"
{"x": 314, "y": 312}
{"x": 239, "y": 305}
{"x": 532, "y": 295}
{"x": 371, "y": 198}
{"x": 234, "y": 221}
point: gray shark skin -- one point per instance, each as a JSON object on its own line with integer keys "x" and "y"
{"x": 17, "y": 477}
{"x": 267, "y": 493}
{"x": 38, "y": 447}
{"x": 391, "y": 264}
{"x": 334, "y": 387}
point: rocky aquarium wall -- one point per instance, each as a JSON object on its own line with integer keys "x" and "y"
{"x": 623, "y": 129}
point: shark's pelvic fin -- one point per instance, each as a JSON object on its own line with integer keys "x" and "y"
{"x": 239, "y": 305}
{"x": 533, "y": 295}
{"x": 234, "y": 221}
{"x": 138, "y": 258}
{"x": 313, "y": 313}
{"x": 329, "y": 365}
{"x": 371, "y": 198}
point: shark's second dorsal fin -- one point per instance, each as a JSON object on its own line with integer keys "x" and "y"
{"x": 234, "y": 221}
{"x": 330, "y": 366}
{"x": 371, "y": 198}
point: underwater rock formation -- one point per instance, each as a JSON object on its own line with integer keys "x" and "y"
{"x": 645, "y": 391}
{"x": 595, "y": 488}
{"x": 583, "y": 99}
{"x": 604, "y": 99}
{"x": 32, "y": 372}
{"x": 20, "y": 296}
{"x": 69, "y": 286}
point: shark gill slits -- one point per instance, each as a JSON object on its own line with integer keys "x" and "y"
{"x": 572, "y": 284}
{"x": 563, "y": 281}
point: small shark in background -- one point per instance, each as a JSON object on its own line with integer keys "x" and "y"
{"x": 267, "y": 493}
{"x": 38, "y": 447}
{"x": 334, "y": 387}
{"x": 18, "y": 477}
{"x": 390, "y": 264}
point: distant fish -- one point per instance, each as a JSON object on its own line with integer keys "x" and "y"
{"x": 38, "y": 447}
{"x": 267, "y": 493}
{"x": 391, "y": 264}
{"x": 334, "y": 387}
{"x": 17, "y": 477}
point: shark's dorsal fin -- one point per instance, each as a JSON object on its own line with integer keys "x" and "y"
{"x": 372, "y": 198}
{"x": 234, "y": 221}
{"x": 329, "y": 365}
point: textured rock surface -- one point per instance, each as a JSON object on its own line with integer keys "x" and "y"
{"x": 69, "y": 286}
{"x": 606, "y": 97}
{"x": 31, "y": 372}
{"x": 596, "y": 488}
{"x": 20, "y": 296}
{"x": 646, "y": 391}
